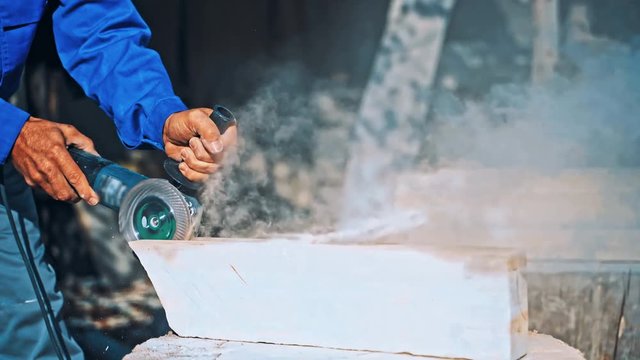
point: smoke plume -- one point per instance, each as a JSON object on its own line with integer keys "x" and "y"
{"x": 586, "y": 117}
{"x": 289, "y": 168}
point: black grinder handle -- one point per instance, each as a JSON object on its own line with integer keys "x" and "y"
{"x": 223, "y": 118}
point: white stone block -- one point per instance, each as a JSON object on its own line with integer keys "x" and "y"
{"x": 458, "y": 302}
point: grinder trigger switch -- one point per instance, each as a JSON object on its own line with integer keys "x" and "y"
{"x": 223, "y": 118}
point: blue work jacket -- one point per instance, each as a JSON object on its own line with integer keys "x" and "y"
{"x": 103, "y": 46}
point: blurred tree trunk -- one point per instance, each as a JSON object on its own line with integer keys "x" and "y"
{"x": 545, "y": 42}
{"x": 389, "y": 130}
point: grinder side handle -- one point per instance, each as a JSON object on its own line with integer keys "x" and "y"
{"x": 223, "y": 118}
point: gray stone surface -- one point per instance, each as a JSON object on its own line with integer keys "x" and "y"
{"x": 541, "y": 347}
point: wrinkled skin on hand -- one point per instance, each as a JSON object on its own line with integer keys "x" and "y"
{"x": 40, "y": 154}
{"x": 192, "y": 137}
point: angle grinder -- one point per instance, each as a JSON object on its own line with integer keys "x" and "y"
{"x": 149, "y": 208}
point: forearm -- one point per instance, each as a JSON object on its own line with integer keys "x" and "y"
{"x": 103, "y": 45}
{"x": 11, "y": 121}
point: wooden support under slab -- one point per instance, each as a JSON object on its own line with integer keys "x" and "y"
{"x": 430, "y": 301}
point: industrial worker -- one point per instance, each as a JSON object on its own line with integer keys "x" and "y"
{"x": 103, "y": 46}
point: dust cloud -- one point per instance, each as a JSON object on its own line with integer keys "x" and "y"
{"x": 289, "y": 169}
{"x": 587, "y": 116}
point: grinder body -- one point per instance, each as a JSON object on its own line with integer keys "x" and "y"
{"x": 111, "y": 181}
{"x": 147, "y": 208}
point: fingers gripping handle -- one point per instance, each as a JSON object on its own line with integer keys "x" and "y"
{"x": 223, "y": 118}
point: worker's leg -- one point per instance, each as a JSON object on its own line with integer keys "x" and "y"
{"x": 23, "y": 333}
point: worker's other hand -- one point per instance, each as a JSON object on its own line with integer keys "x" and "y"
{"x": 192, "y": 137}
{"x": 40, "y": 154}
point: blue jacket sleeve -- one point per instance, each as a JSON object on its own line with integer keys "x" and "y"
{"x": 103, "y": 45}
{"x": 12, "y": 120}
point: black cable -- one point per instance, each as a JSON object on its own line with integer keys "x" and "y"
{"x": 36, "y": 282}
{"x": 51, "y": 314}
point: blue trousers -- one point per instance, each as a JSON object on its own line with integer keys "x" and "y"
{"x": 23, "y": 333}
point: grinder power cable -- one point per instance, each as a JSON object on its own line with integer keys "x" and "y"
{"x": 149, "y": 208}
{"x": 24, "y": 248}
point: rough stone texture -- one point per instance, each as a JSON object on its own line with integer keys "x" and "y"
{"x": 591, "y": 305}
{"x": 629, "y": 327}
{"x": 541, "y": 347}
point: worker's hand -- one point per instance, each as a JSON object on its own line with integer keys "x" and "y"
{"x": 40, "y": 154}
{"x": 190, "y": 136}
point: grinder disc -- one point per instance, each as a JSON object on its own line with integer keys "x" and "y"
{"x": 155, "y": 210}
